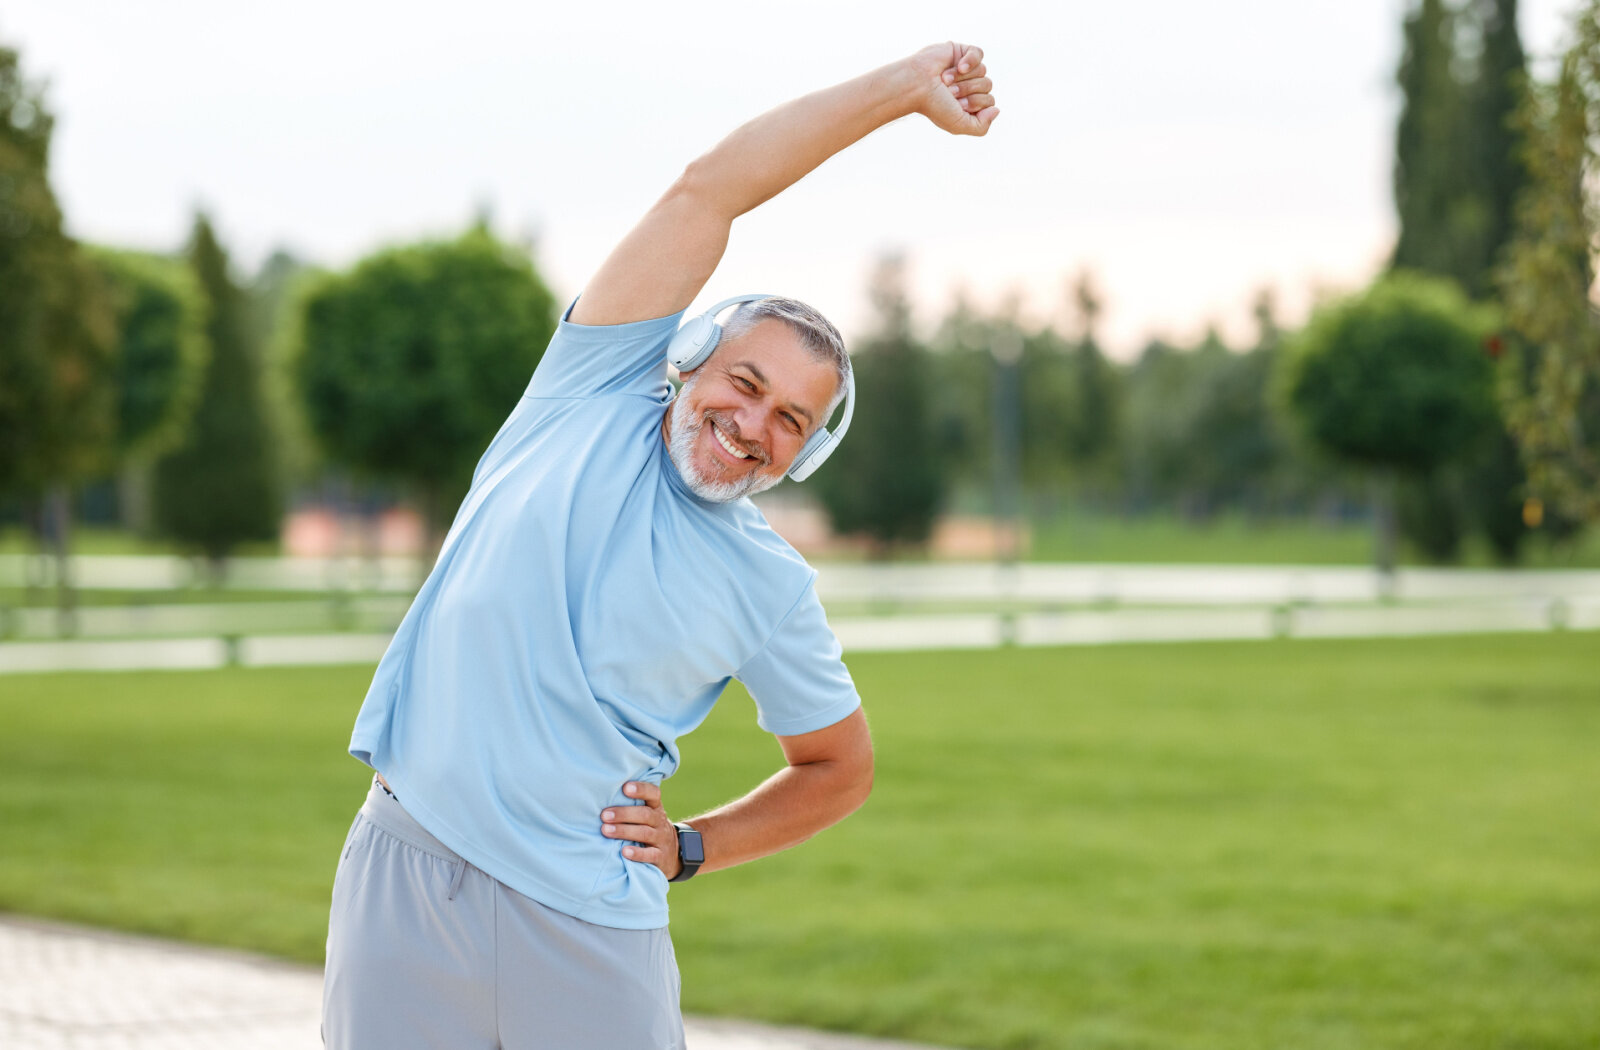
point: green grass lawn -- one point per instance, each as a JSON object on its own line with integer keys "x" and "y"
{"x": 1233, "y": 539}
{"x": 45, "y": 597}
{"x": 101, "y": 539}
{"x": 1302, "y": 844}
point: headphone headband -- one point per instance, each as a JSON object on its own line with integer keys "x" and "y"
{"x": 699, "y": 336}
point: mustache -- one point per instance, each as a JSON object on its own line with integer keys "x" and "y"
{"x": 730, "y": 430}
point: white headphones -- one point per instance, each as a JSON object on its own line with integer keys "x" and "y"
{"x": 696, "y": 341}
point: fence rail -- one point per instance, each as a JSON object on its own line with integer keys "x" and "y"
{"x": 354, "y": 616}
{"x": 900, "y": 583}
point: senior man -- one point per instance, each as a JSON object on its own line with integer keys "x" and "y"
{"x": 505, "y": 882}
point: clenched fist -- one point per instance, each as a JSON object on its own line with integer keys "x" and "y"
{"x": 959, "y": 94}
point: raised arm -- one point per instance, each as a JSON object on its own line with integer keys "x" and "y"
{"x": 664, "y": 261}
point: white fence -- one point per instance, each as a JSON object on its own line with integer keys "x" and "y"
{"x": 1026, "y": 605}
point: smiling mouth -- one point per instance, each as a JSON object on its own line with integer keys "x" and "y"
{"x": 733, "y": 450}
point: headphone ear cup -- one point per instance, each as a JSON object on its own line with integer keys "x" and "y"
{"x": 818, "y": 447}
{"x": 693, "y": 343}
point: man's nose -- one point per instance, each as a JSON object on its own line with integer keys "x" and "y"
{"x": 749, "y": 421}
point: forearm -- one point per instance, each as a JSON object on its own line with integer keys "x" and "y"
{"x": 767, "y": 155}
{"x": 665, "y": 260}
{"x": 789, "y": 807}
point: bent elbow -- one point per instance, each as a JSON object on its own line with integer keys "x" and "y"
{"x": 861, "y": 782}
{"x": 703, "y": 187}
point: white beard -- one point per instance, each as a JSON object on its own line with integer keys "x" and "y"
{"x": 682, "y": 434}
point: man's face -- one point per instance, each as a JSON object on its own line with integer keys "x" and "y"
{"x": 741, "y": 417}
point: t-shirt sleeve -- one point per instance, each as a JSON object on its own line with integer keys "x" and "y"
{"x": 798, "y": 680}
{"x": 588, "y": 360}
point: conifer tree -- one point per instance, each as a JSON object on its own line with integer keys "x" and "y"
{"x": 885, "y": 480}
{"x": 1093, "y": 424}
{"x": 1458, "y": 171}
{"x": 1498, "y": 166}
{"x": 1428, "y": 163}
{"x": 219, "y": 488}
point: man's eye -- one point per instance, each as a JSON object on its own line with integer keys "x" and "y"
{"x": 747, "y": 384}
{"x": 794, "y": 424}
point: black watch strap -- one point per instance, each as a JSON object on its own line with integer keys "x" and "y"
{"x": 691, "y": 853}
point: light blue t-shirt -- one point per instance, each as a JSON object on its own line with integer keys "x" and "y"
{"x": 586, "y": 610}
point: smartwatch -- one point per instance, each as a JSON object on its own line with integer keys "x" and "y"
{"x": 691, "y": 853}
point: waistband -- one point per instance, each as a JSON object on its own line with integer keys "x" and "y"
{"x": 384, "y": 810}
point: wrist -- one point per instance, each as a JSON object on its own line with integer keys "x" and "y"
{"x": 691, "y": 853}
{"x": 904, "y": 89}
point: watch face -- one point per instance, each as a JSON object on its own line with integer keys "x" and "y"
{"x": 690, "y": 847}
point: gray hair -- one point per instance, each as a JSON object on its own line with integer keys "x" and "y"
{"x": 817, "y": 334}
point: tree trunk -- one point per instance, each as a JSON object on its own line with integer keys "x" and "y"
{"x": 58, "y": 517}
{"x": 133, "y": 498}
{"x": 1383, "y": 529}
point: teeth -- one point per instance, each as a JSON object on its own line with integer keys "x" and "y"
{"x": 732, "y": 449}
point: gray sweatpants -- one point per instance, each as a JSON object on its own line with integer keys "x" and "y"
{"x": 425, "y": 950}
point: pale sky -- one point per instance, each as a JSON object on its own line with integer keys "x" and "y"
{"x": 1189, "y": 153}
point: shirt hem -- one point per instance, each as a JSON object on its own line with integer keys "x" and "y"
{"x": 580, "y": 910}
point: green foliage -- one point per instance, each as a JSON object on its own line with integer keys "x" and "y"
{"x": 1433, "y": 514}
{"x": 57, "y": 348}
{"x": 162, "y": 351}
{"x": 1457, "y": 167}
{"x": 1396, "y": 376}
{"x": 1070, "y": 396}
{"x": 275, "y": 295}
{"x": 961, "y": 394}
{"x": 409, "y": 363}
{"x": 1197, "y": 428}
{"x": 1495, "y": 139}
{"x": 220, "y": 487}
{"x": 1441, "y": 220}
{"x": 885, "y": 480}
{"x": 1550, "y": 388}
{"x": 1237, "y": 447}
{"x": 1069, "y": 409}
{"x": 1092, "y": 412}
{"x": 1157, "y": 419}
{"x": 1458, "y": 170}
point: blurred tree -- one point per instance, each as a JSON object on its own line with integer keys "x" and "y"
{"x": 1156, "y": 425}
{"x": 410, "y": 362}
{"x": 1051, "y": 407}
{"x": 1498, "y": 170}
{"x": 1236, "y": 450}
{"x": 1431, "y": 511}
{"x": 1458, "y": 166}
{"x": 219, "y": 487}
{"x": 57, "y": 343}
{"x": 1264, "y": 311}
{"x": 885, "y": 480}
{"x": 161, "y": 359}
{"x": 1440, "y": 219}
{"x": 1094, "y": 408}
{"x": 162, "y": 350}
{"x": 275, "y": 311}
{"x": 1394, "y": 379}
{"x": 1458, "y": 170}
{"x": 1550, "y": 385}
{"x": 960, "y": 396}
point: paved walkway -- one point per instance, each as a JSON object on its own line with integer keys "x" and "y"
{"x": 71, "y": 988}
